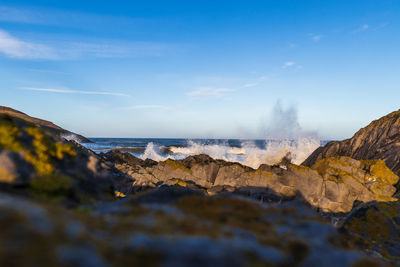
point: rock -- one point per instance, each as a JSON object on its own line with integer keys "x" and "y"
{"x": 117, "y": 157}
{"x": 13, "y": 168}
{"x": 376, "y": 226}
{"x": 46, "y": 125}
{"x": 166, "y": 194}
{"x": 187, "y": 230}
{"x": 41, "y": 164}
{"x": 379, "y": 140}
{"x": 332, "y": 185}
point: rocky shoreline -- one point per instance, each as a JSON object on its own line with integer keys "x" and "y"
{"x": 115, "y": 209}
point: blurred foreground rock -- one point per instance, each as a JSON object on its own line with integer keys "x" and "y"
{"x": 182, "y": 228}
{"x": 37, "y": 162}
{"x": 376, "y": 227}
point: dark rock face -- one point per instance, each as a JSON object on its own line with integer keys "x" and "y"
{"x": 376, "y": 226}
{"x": 118, "y": 157}
{"x": 379, "y": 140}
{"x": 42, "y": 123}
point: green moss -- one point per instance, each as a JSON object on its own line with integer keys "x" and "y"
{"x": 51, "y": 187}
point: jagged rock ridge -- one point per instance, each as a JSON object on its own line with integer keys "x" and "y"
{"x": 379, "y": 140}
{"x": 331, "y": 185}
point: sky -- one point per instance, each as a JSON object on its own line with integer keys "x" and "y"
{"x": 201, "y": 69}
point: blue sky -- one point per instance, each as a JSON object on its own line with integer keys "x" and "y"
{"x": 200, "y": 68}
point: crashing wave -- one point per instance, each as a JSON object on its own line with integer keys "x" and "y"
{"x": 248, "y": 154}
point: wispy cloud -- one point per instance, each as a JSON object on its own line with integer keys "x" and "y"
{"x": 362, "y": 28}
{"x": 11, "y": 14}
{"x": 288, "y": 64}
{"x": 206, "y": 92}
{"x": 316, "y": 37}
{"x": 382, "y": 25}
{"x": 68, "y": 91}
{"x": 70, "y": 19}
{"x": 209, "y": 92}
{"x": 15, "y": 48}
{"x": 149, "y": 107}
{"x": 255, "y": 83}
{"x": 48, "y": 71}
{"x": 248, "y": 85}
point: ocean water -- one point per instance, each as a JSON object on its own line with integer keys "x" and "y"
{"x": 252, "y": 153}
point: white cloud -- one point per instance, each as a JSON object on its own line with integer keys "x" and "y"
{"x": 362, "y": 28}
{"x": 15, "y": 48}
{"x": 250, "y": 85}
{"x": 49, "y": 71}
{"x": 215, "y": 92}
{"x": 10, "y": 14}
{"x": 316, "y": 38}
{"x": 149, "y": 107}
{"x": 255, "y": 83}
{"x": 70, "y": 19}
{"x": 288, "y": 64}
{"x": 209, "y": 92}
{"x": 68, "y": 91}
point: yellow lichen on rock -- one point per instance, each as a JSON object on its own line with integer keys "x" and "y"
{"x": 44, "y": 149}
{"x": 176, "y": 166}
{"x": 62, "y": 150}
{"x": 335, "y": 168}
{"x": 119, "y": 194}
{"x": 378, "y": 168}
{"x": 9, "y": 137}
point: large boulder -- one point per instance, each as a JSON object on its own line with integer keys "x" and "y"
{"x": 42, "y": 164}
{"x": 379, "y": 140}
{"x": 376, "y": 226}
{"x": 347, "y": 180}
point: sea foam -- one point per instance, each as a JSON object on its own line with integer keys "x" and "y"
{"x": 248, "y": 154}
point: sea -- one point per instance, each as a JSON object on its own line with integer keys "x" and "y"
{"x": 252, "y": 153}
